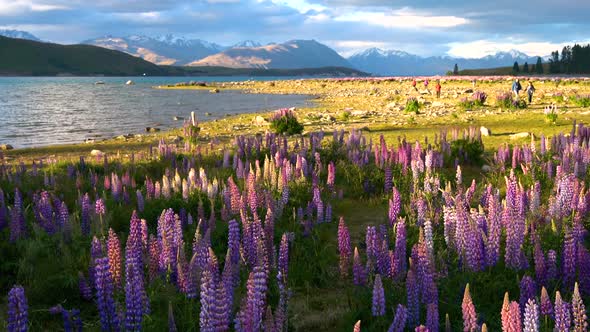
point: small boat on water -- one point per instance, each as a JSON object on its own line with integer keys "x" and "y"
{"x": 98, "y": 82}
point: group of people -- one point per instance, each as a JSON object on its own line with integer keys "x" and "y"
{"x": 516, "y": 88}
{"x": 437, "y": 87}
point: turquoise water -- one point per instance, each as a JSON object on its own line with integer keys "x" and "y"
{"x": 38, "y": 111}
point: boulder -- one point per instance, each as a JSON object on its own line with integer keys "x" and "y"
{"x": 96, "y": 153}
{"x": 260, "y": 121}
{"x": 6, "y": 147}
{"x": 214, "y": 90}
{"x": 468, "y": 91}
{"x": 152, "y": 129}
{"x": 519, "y": 135}
{"x": 89, "y": 140}
{"x": 486, "y": 168}
{"x": 438, "y": 104}
{"x": 485, "y": 131}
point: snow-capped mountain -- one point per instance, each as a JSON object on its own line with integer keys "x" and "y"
{"x": 163, "y": 50}
{"x": 247, "y": 44}
{"x": 288, "y": 55}
{"x": 18, "y": 34}
{"x": 393, "y": 62}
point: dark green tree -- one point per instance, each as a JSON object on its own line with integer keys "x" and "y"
{"x": 515, "y": 68}
{"x": 456, "y": 70}
{"x": 554, "y": 63}
{"x": 539, "y": 66}
{"x": 525, "y": 68}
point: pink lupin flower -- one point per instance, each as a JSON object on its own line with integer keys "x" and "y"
{"x": 469, "y": 314}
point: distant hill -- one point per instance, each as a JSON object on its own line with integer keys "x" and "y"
{"x": 164, "y": 50}
{"x": 20, "y": 57}
{"x": 391, "y": 62}
{"x": 31, "y": 58}
{"x": 500, "y": 71}
{"x": 18, "y": 34}
{"x": 289, "y": 55}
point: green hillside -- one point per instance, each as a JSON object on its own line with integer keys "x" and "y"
{"x": 20, "y": 57}
{"x": 29, "y": 58}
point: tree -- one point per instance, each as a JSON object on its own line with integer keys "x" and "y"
{"x": 525, "y": 68}
{"x": 515, "y": 68}
{"x": 456, "y": 70}
{"x": 539, "y": 66}
{"x": 533, "y": 68}
{"x": 554, "y": 63}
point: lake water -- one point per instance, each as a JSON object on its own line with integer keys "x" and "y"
{"x": 59, "y": 110}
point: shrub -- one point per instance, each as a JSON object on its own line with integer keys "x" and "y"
{"x": 582, "y": 101}
{"x": 467, "y": 151}
{"x": 465, "y": 104}
{"x": 412, "y": 105}
{"x": 505, "y": 100}
{"x": 191, "y": 132}
{"x": 479, "y": 98}
{"x": 558, "y": 97}
{"x": 284, "y": 121}
{"x": 551, "y": 114}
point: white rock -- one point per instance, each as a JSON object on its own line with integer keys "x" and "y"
{"x": 260, "y": 121}
{"x": 96, "y": 153}
{"x": 485, "y": 131}
{"x": 486, "y": 168}
{"x": 438, "y": 104}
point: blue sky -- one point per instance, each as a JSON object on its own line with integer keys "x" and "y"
{"x": 452, "y": 27}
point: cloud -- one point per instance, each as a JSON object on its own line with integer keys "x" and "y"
{"x": 456, "y": 27}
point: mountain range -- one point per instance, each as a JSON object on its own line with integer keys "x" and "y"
{"x": 173, "y": 50}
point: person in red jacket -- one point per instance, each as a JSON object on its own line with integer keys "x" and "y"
{"x": 414, "y": 84}
{"x": 438, "y": 87}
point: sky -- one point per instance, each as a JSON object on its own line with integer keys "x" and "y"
{"x": 425, "y": 27}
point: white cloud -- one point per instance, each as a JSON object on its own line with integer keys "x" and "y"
{"x": 402, "y": 19}
{"x": 481, "y": 48}
{"x": 13, "y": 7}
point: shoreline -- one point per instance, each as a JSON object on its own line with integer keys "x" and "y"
{"x": 375, "y": 105}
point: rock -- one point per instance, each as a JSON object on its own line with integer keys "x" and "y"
{"x": 208, "y": 113}
{"x": 96, "y": 153}
{"x": 260, "y": 121}
{"x": 175, "y": 139}
{"x": 214, "y": 91}
{"x": 485, "y": 131}
{"x": 152, "y": 129}
{"x": 438, "y": 104}
{"x": 6, "y": 147}
{"x": 391, "y": 105}
{"x": 89, "y": 140}
{"x": 519, "y": 135}
{"x": 468, "y": 91}
{"x": 486, "y": 168}
{"x": 178, "y": 118}
{"x": 130, "y": 82}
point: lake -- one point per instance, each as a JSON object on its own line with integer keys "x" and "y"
{"x": 40, "y": 111}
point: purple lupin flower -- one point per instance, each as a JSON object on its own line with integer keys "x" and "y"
{"x": 18, "y": 310}
{"x": 569, "y": 259}
{"x": 359, "y": 276}
{"x": 283, "y": 263}
{"x": 579, "y": 311}
{"x": 99, "y": 207}
{"x": 17, "y": 221}
{"x": 562, "y": 314}
{"x": 469, "y": 314}
{"x": 140, "y": 201}
{"x": 413, "y": 303}
{"x": 109, "y": 319}
{"x": 378, "y": 308}
{"x": 551, "y": 265}
{"x": 399, "y": 322}
{"x": 3, "y": 211}
{"x": 85, "y": 214}
{"x": 546, "y": 305}
{"x": 256, "y": 298}
{"x": 344, "y": 248}
{"x": 135, "y": 296}
{"x": 399, "y": 261}
{"x": 207, "y": 320}
{"x": 531, "y": 316}
{"x": 395, "y": 205}
{"x": 539, "y": 259}
{"x": 432, "y": 316}
{"x": 528, "y": 290}
{"x": 85, "y": 288}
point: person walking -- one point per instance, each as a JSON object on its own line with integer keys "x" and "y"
{"x": 438, "y": 87}
{"x": 516, "y": 87}
{"x": 530, "y": 90}
{"x": 414, "y": 84}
